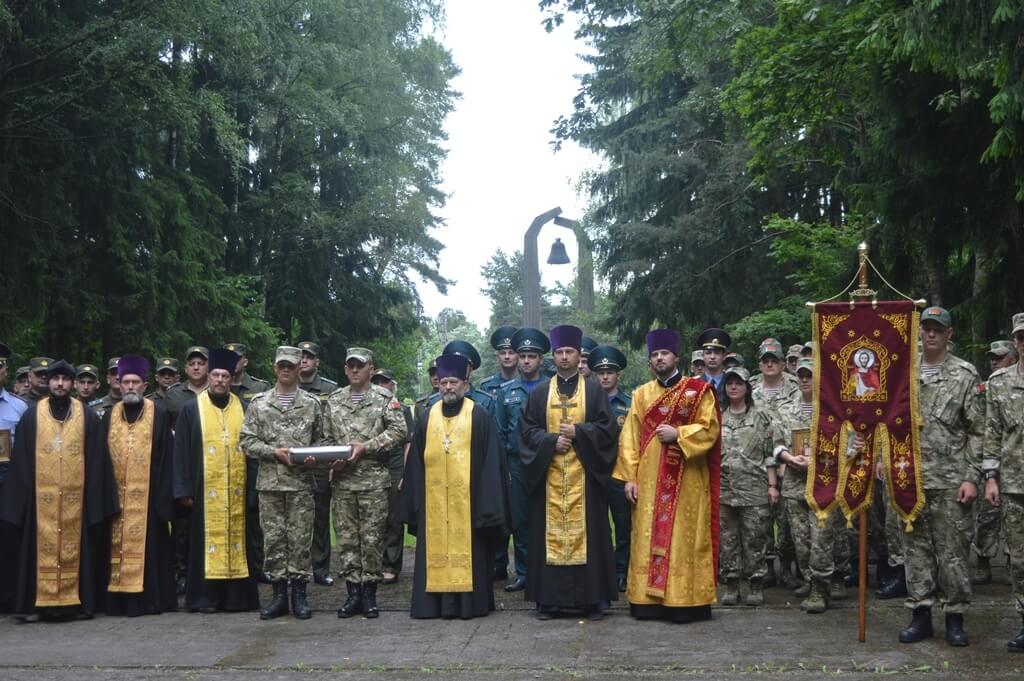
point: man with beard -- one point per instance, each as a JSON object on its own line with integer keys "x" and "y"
{"x": 113, "y": 396}
{"x": 455, "y": 448}
{"x": 166, "y": 378}
{"x": 39, "y": 379}
{"x": 210, "y": 479}
{"x": 87, "y": 382}
{"x": 669, "y": 456}
{"x": 59, "y": 495}
{"x": 141, "y": 560}
{"x": 508, "y": 360}
{"x": 567, "y": 445}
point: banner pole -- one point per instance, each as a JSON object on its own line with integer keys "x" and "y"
{"x": 862, "y": 579}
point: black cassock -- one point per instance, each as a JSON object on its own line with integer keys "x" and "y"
{"x": 488, "y": 507}
{"x": 570, "y": 586}
{"x": 18, "y": 510}
{"x": 158, "y": 592}
{"x": 202, "y": 593}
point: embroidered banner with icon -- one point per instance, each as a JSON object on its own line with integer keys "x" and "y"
{"x": 865, "y": 382}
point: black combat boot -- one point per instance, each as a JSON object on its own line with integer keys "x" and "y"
{"x": 354, "y": 603}
{"x": 896, "y": 586}
{"x": 955, "y": 634}
{"x": 1016, "y": 645}
{"x": 279, "y": 604}
{"x": 300, "y": 608}
{"x": 920, "y": 627}
{"x": 370, "y": 610}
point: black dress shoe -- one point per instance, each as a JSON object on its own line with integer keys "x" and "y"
{"x": 323, "y": 580}
{"x": 622, "y": 583}
{"x": 518, "y": 584}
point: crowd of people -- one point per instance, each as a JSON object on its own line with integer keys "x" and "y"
{"x": 205, "y": 486}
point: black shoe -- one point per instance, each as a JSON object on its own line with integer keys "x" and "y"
{"x": 300, "y": 607}
{"x": 622, "y": 583}
{"x": 500, "y": 574}
{"x": 517, "y": 584}
{"x": 179, "y": 586}
{"x": 323, "y": 580}
{"x": 370, "y": 610}
{"x": 920, "y": 627}
{"x": 393, "y": 579}
{"x": 895, "y": 587}
{"x": 1016, "y": 644}
{"x": 354, "y": 603}
{"x": 279, "y": 604}
{"x": 955, "y": 634}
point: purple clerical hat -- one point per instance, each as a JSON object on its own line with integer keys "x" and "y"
{"x": 566, "y": 336}
{"x": 663, "y": 339}
{"x": 452, "y": 366}
{"x": 221, "y": 358}
{"x": 132, "y": 364}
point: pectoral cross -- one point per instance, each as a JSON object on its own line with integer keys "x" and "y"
{"x": 565, "y": 405}
{"x": 446, "y": 442}
{"x": 58, "y": 442}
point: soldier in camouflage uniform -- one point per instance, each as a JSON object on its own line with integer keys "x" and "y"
{"x": 1003, "y": 463}
{"x": 697, "y": 363}
{"x": 989, "y": 518}
{"x": 748, "y": 487}
{"x": 370, "y": 419}
{"x": 394, "y": 532}
{"x": 275, "y": 421}
{"x": 938, "y": 549}
{"x": 312, "y": 381}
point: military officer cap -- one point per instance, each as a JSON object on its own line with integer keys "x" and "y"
{"x": 501, "y": 339}
{"x": 464, "y": 349}
{"x": 936, "y": 314}
{"x": 285, "y": 353}
{"x": 607, "y": 357}
{"x": 714, "y": 339}
{"x": 167, "y": 364}
{"x": 382, "y": 376}
{"x": 1018, "y": 323}
{"x": 363, "y": 355}
{"x": 1000, "y": 348}
{"x": 198, "y": 350}
{"x": 697, "y": 356}
{"x": 40, "y": 364}
{"x": 112, "y": 364}
{"x": 741, "y": 372}
{"x": 240, "y": 348}
{"x": 528, "y": 339}
{"x": 587, "y": 346}
{"x": 733, "y": 359}
{"x": 5, "y": 351}
{"x": 805, "y": 364}
{"x": 22, "y": 371}
{"x": 769, "y": 346}
{"x": 432, "y": 367}
{"x": 310, "y": 347}
{"x": 794, "y": 351}
{"x": 87, "y": 370}
{"x": 60, "y": 368}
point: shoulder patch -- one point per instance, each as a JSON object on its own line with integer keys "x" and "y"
{"x": 395, "y": 404}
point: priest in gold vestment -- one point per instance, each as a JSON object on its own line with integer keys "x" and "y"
{"x": 669, "y": 461}
{"x": 567, "y": 446}
{"x": 455, "y": 500}
{"x": 58, "y": 496}
{"x": 210, "y": 479}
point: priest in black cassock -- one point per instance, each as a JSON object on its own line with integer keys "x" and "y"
{"x": 140, "y": 566}
{"x": 58, "y": 496}
{"x": 210, "y": 479}
{"x": 455, "y": 500}
{"x": 567, "y": 442}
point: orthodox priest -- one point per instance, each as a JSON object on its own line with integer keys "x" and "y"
{"x": 567, "y": 440}
{"x": 455, "y": 501}
{"x": 210, "y": 478}
{"x": 669, "y": 454}
{"x": 138, "y": 436}
{"x": 58, "y": 495}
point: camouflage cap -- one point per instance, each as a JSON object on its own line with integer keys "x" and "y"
{"x": 38, "y": 364}
{"x": 167, "y": 364}
{"x": 240, "y": 348}
{"x": 363, "y": 355}
{"x": 794, "y": 351}
{"x": 22, "y": 371}
{"x": 697, "y": 356}
{"x": 197, "y": 350}
{"x": 769, "y": 346}
{"x": 87, "y": 370}
{"x": 1018, "y": 322}
{"x": 1000, "y": 348}
{"x": 310, "y": 347}
{"x": 936, "y": 314}
{"x": 285, "y": 353}
{"x": 805, "y": 364}
{"x": 740, "y": 372}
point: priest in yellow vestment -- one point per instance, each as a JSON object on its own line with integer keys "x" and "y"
{"x": 669, "y": 462}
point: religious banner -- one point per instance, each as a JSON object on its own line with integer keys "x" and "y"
{"x": 865, "y": 382}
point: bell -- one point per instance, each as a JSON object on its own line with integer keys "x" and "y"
{"x": 558, "y": 255}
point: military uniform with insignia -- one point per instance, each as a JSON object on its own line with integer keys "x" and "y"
{"x": 83, "y": 372}
{"x": 39, "y": 388}
{"x": 714, "y": 344}
{"x": 165, "y": 366}
{"x": 113, "y": 396}
{"x": 501, "y": 340}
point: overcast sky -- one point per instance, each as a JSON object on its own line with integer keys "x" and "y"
{"x": 501, "y": 171}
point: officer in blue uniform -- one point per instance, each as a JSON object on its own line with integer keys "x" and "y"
{"x": 715, "y": 343}
{"x": 607, "y": 363}
{"x": 531, "y": 346}
{"x": 484, "y": 399}
{"x": 508, "y": 360}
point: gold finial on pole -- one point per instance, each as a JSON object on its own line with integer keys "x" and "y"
{"x": 862, "y": 290}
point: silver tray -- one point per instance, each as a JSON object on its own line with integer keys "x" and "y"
{"x": 323, "y": 455}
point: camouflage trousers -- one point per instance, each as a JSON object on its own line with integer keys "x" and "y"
{"x": 743, "y": 538}
{"x": 893, "y": 528}
{"x": 1013, "y": 526}
{"x": 360, "y": 517}
{"x": 987, "y": 526}
{"x": 287, "y": 522}
{"x": 798, "y": 518}
{"x": 937, "y": 552}
{"x": 821, "y": 552}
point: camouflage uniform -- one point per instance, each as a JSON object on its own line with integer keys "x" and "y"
{"x": 938, "y": 549}
{"x": 748, "y": 442}
{"x": 360, "y": 504}
{"x": 1004, "y": 456}
{"x": 322, "y": 388}
{"x": 285, "y": 492}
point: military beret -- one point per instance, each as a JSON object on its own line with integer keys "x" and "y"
{"x": 936, "y": 314}
{"x": 38, "y": 364}
{"x": 87, "y": 370}
{"x": 167, "y": 364}
{"x": 714, "y": 338}
{"x": 197, "y": 350}
{"x": 587, "y": 346}
{"x": 606, "y": 357}
{"x": 501, "y": 339}
{"x": 237, "y": 347}
{"x": 527, "y": 339}
{"x": 461, "y": 347}
{"x": 310, "y": 347}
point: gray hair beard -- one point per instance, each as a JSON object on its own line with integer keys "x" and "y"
{"x": 132, "y": 398}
